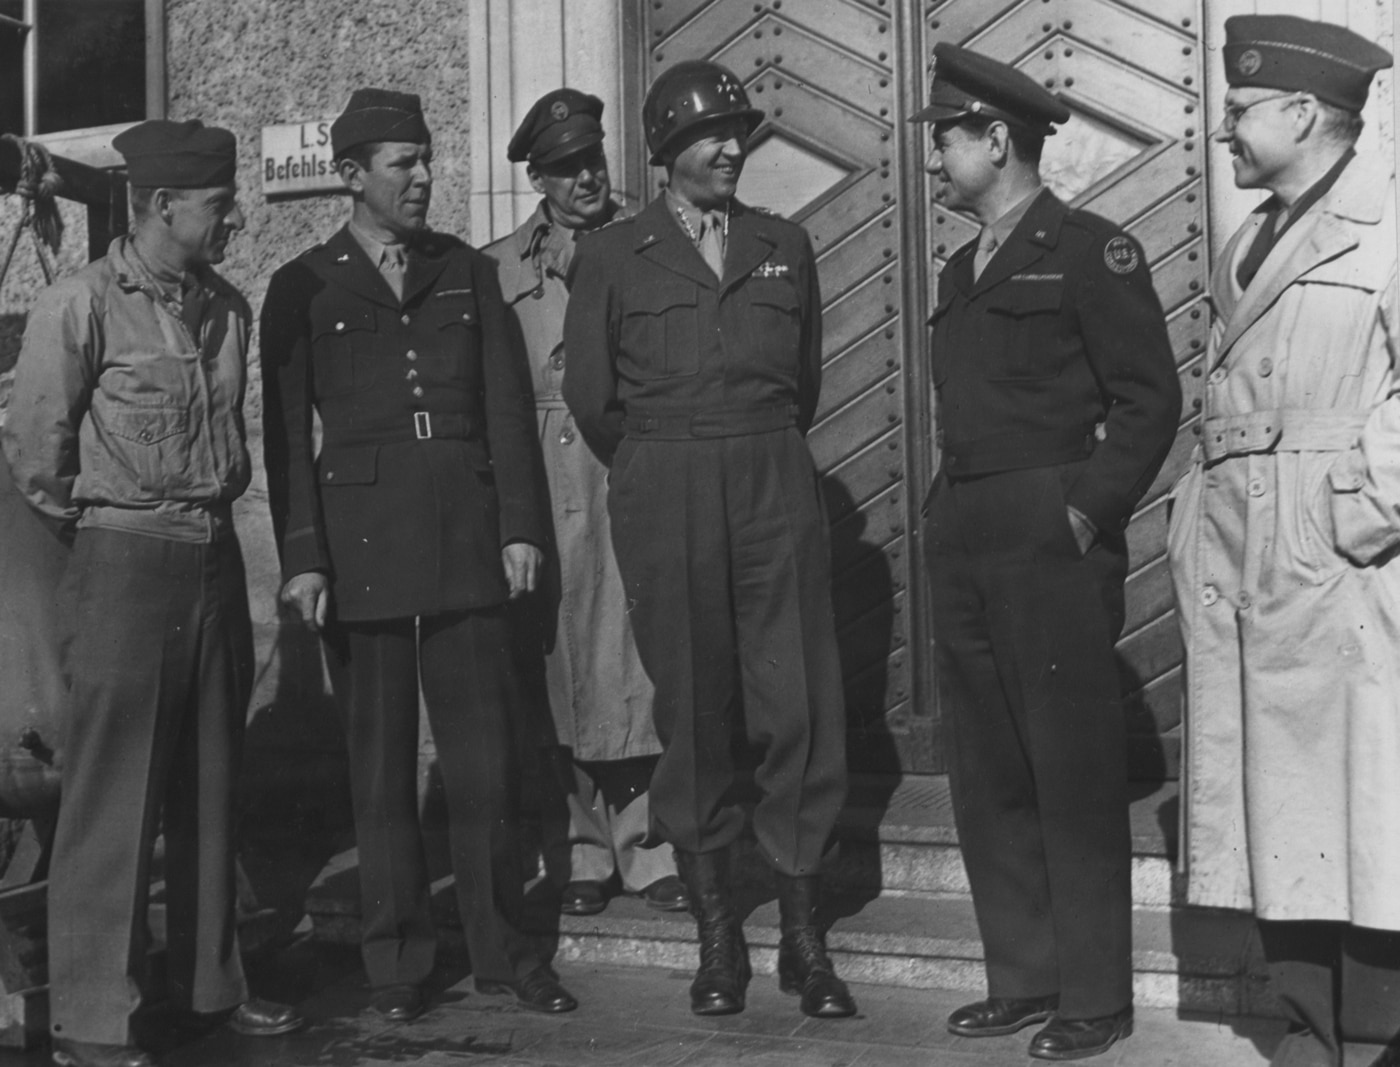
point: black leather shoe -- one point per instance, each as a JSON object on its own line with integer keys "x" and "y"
{"x": 399, "y": 1003}
{"x": 666, "y": 894}
{"x": 538, "y": 991}
{"x": 804, "y": 967}
{"x": 996, "y": 1016}
{"x": 722, "y": 979}
{"x": 583, "y": 898}
{"x": 1078, "y": 1039}
{"x": 68, "y": 1053}
{"x": 263, "y": 1018}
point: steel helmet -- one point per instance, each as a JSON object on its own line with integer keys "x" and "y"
{"x": 689, "y": 93}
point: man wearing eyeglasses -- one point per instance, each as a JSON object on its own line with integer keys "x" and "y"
{"x": 1283, "y": 538}
{"x": 1057, "y": 403}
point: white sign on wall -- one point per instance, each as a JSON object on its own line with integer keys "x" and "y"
{"x": 296, "y": 158}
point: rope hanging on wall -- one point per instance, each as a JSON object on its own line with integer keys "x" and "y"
{"x": 38, "y": 186}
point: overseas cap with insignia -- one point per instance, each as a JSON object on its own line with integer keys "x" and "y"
{"x": 559, "y": 124}
{"x": 1287, "y": 52}
{"x": 374, "y": 115}
{"x": 967, "y": 83}
{"x": 177, "y": 155}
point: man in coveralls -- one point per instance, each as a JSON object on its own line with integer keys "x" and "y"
{"x": 694, "y": 341}
{"x": 126, "y": 426}
{"x": 602, "y": 750}
{"x": 402, "y": 540}
{"x": 1058, "y": 401}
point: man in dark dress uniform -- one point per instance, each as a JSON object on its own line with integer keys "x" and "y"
{"x": 125, "y": 434}
{"x": 694, "y": 341}
{"x": 402, "y": 540}
{"x": 1057, "y": 403}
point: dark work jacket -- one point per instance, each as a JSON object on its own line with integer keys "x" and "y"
{"x": 650, "y": 330}
{"x": 1061, "y": 334}
{"x": 404, "y": 526}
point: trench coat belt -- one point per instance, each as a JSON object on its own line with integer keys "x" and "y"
{"x": 1281, "y": 430}
{"x": 419, "y": 425}
{"x": 1017, "y": 451}
{"x": 718, "y": 422}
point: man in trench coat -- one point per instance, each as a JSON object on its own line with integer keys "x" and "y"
{"x": 403, "y": 538}
{"x": 1283, "y": 542}
{"x": 604, "y": 747}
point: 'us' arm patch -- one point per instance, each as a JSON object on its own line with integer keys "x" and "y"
{"x": 1120, "y": 255}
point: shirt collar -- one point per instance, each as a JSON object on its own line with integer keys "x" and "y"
{"x": 1003, "y": 226}
{"x": 376, "y": 250}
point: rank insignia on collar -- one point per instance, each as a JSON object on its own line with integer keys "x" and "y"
{"x": 772, "y": 270}
{"x": 344, "y": 257}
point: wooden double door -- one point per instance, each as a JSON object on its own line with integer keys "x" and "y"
{"x": 838, "y": 79}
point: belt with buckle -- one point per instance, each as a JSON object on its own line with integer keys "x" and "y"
{"x": 721, "y": 422}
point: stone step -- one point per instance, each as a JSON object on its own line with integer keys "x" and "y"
{"x": 1185, "y": 958}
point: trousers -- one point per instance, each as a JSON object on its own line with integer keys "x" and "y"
{"x": 1023, "y": 636}
{"x": 160, "y": 670}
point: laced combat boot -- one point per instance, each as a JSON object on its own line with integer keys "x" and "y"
{"x": 724, "y": 971}
{"x": 803, "y": 965}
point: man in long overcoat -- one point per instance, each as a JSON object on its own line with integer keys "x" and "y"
{"x": 603, "y": 746}
{"x": 1283, "y": 543}
{"x": 403, "y": 538}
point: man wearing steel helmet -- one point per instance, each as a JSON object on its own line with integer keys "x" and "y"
{"x": 403, "y": 538}
{"x": 694, "y": 341}
{"x": 1057, "y": 403}
{"x": 125, "y": 433}
{"x": 599, "y": 746}
{"x": 1283, "y": 546}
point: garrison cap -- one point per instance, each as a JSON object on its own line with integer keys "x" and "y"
{"x": 177, "y": 155}
{"x": 374, "y": 115}
{"x": 967, "y": 83}
{"x": 1287, "y": 52}
{"x": 559, "y": 124}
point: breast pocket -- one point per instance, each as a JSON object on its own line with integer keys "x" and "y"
{"x": 154, "y": 441}
{"x": 660, "y": 333}
{"x": 454, "y": 324}
{"x": 776, "y": 315}
{"x": 342, "y": 341}
{"x": 1023, "y": 322}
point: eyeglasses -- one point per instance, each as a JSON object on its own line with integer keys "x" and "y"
{"x": 1235, "y": 112}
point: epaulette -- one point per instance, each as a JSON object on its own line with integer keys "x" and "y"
{"x": 767, "y": 213}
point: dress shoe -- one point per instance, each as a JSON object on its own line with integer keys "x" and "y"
{"x": 399, "y": 1003}
{"x": 68, "y": 1053}
{"x": 666, "y": 894}
{"x": 538, "y": 991}
{"x": 583, "y": 898}
{"x": 1078, "y": 1039}
{"x": 263, "y": 1018}
{"x": 996, "y": 1016}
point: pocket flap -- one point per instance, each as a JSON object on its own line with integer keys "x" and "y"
{"x": 343, "y": 320}
{"x": 457, "y": 308}
{"x": 349, "y": 466}
{"x": 149, "y": 425}
{"x": 1025, "y": 298}
{"x": 657, "y": 300}
{"x": 775, "y": 294}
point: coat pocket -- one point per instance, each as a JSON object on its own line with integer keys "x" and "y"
{"x": 1023, "y": 319}
{"x": 340, "y": 338}
{"x": 349, "y": 466}
{"x": 1316, "y": 530}
{"x": 660, "y": 335}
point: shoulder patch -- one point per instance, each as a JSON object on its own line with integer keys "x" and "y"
{"x": 1120, "y": 255}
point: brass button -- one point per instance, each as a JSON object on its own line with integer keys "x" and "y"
{"x": 1244, "y": 600}
{"x": 417, "y": 390}
{"x": 566, "y": 436}
{"x": 1217, "y": 376}
{"x": 411, "y": 374}
{"x": 557, "y": 361}
{"x": 405, "y": 319}
{"x": 330, "y": 476}
{"x": 1266, "y": 367}
{"x": 1209, "y": 595}
{"x": 411, "y": 355}
{"x": 1256, "y": 487}
{"x": 340, "y": 326}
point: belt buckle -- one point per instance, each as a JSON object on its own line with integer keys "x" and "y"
{"x": 422, "y": 425}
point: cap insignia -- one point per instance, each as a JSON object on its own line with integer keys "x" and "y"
{"x": 1249, "y": 62}
{"x": 558, "y": 111}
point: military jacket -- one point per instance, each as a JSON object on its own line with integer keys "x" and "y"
{"x": 428, "y": 464}
{"x": 1058, "y": 352}
{"x": 650, "y": 330}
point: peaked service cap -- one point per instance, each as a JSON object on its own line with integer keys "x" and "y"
{"x": 968, "y": 83}
{"x": 559, "y": 124}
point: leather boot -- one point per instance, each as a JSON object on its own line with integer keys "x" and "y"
{"x": 803, "y": 965}
{"x": 724, "y": 972}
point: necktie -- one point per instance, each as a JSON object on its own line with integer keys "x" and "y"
{"x": 712, "y": 241}
{"x": 986, "y": 248}
{"x": 392, "y": 267}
